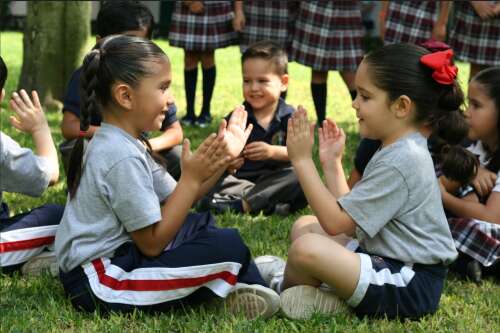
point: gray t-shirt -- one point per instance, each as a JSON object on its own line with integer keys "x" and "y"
{"x": 21, "y": 171}
{"x": 397, "y": 206}
{"x": 120, "y": 191}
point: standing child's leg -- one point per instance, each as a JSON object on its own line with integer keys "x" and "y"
{"x": 348, "y": 77}
{"x": 318, "y": 90}
{"x": 209, "y": 74}
{"x": 190, "y": 78}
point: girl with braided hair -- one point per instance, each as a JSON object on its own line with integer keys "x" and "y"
{"x": 126, "y": 240}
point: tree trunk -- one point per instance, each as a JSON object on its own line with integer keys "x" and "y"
{"x": 55, "y": 37}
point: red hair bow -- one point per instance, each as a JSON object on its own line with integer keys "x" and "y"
{"x": 444, "y": 71}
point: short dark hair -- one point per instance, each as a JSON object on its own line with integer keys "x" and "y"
{"x": 116, "y": 17}
{"x": 3, "y": 73}
{"x": 459, "y": 164}
{"x": 270, "y": 51}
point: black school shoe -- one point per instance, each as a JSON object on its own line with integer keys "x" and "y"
{"x": 188, "y": 121}
{"x": 204, "y": 120}
{"x": 474, "y": 271}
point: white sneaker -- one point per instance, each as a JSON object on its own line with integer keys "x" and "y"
{"x": 45, "y": 261}
{"x": 300, "y": 302}
{"x": 252, "y": 301}
{"x": 270, "y": 266}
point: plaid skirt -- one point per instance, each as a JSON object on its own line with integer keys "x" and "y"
{"x": 268, "y": 20}
{"x": 480, "y": 240}
{"x": 473, "y": 39}
{"x": 328, "y": 35}
{"x": 209, "y": 30}
{"x": 410, "y": 21}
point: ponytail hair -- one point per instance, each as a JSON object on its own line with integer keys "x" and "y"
{"x": 489, "y": 79}
{"x": 115, "y": 58}
{"x": 397, "y": 69}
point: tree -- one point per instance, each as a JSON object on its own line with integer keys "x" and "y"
{"x": 55, "y": 36}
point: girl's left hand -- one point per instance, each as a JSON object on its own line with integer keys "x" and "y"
{"x": 300, "y": 136}
{"x": 239, "y": 21}
{"x": 236, "y": 131}
{"x": 331, "y": 143}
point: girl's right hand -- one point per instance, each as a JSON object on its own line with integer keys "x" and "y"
{"x": 29, "y": 116}
{"x": 484, "y": 182}
{"x": 206, "y": 160}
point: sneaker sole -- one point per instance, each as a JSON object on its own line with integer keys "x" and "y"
{"x": 253, "y": 302}
{"x": 37, "y": 265}
{"x": 300, "y": 302}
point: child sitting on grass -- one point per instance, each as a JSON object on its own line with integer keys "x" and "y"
{"x": 25, "y": 237}
{"x": 397, "y": 265}
{"x": 263, "y": 178}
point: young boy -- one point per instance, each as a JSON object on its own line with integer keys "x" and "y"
{"x": 24, "y": 237}
{"x": 130, "y": 18}
{"x": 262, "y": 178}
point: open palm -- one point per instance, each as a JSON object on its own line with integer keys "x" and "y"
{"x": 236, "y": 132}
{"x": 331, "y": 142}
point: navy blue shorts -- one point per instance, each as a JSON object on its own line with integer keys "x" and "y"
{"x": 390, "y": 288}
{"x": 202, "y": 261}
{"x": 26, "y": 235}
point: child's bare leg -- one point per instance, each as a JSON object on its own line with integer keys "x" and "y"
{"x": 207, "y": 59}
{"x": 191, "y": 59}
{"x": 308, "y": 224}
{"x": 314, "y": 258}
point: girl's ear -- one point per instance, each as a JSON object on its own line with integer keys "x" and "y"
{"x": 2, "y": 94}
{"x": 284, "y": 82}
{"x": 402, "y": 107}
{"x": 122, "y": 95}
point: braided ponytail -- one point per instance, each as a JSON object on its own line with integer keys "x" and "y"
{"x": 116, "y": 58}
{"x": 89, "y": 106}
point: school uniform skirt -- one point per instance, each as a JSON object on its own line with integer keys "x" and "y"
{"x": 209, "y": 30}
{"x": 473, "y": 39}
{"x": 26, "y": 235}
{"x": 201, "y": 262}
{"x": 479, "y": 240}
{"x": 328, "y": 35}
{"x": 268, "y": 20}
{"x": 410, "y": 21}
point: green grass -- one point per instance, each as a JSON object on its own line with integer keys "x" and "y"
{"x": 38, "y": 304}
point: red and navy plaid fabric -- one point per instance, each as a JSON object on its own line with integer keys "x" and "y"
{"x": 327, "y": 35}
{"x": 209, "y": 30}
{"x": 410, "y": 21}
{"x": 271, "y": 20}
{"x": 473, "y": 39}
{"x": 480, "y": 240}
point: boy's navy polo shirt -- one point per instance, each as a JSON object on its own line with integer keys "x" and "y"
{"x": 275, "y": 134}
{"x": 72, "y": 103}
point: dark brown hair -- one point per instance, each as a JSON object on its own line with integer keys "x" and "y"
{"x": 270, "y": 51}
{"x": 115, "y": 58}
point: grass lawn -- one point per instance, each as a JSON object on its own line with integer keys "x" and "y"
{"x": 38, "y": 304}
